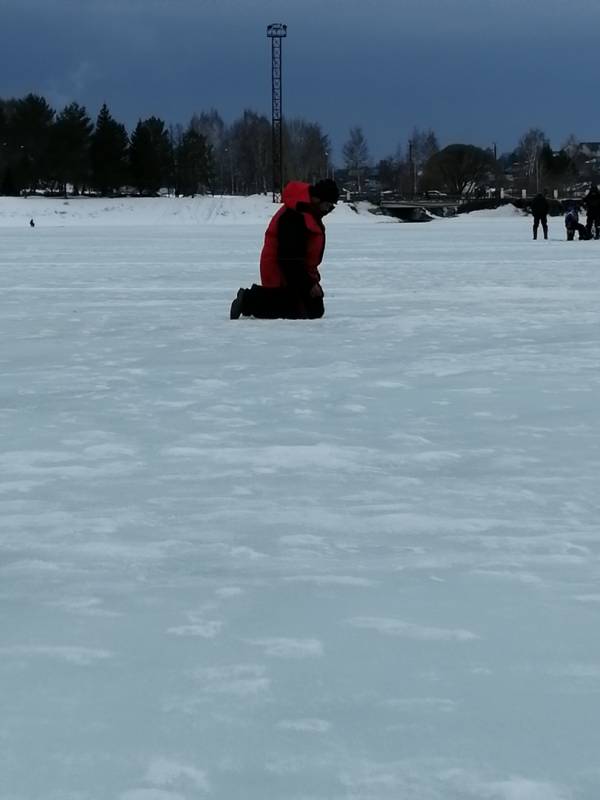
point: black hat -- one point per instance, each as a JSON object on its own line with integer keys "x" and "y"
{"x": 326, "y": 190}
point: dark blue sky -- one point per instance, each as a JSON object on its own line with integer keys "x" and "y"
{"x": 477, "y": 71}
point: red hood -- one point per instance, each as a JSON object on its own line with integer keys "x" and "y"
{"x": 295, "y": 192}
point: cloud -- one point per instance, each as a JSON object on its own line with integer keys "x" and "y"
{"x": 164, "y": 772}
{"x": 240, "y": 680}
{"x": 81, "y": 656}
{"x": 438, "y": 63}
{"x": 304, "y": 725}
{"x": 408, "y": 630}
{"x": 289, "y": 648}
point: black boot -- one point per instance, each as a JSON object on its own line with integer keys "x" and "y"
{"x": 237, "y": 307}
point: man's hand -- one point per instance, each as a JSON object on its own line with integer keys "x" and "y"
{"x": 316, "y": 291}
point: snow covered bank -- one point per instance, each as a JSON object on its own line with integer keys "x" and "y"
{"x": 183, "y": 211}
{"x": 507, "y": 211}
{"x": 163, "y": 211}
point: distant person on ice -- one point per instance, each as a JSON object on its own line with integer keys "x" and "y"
{"x": 592, "y": 206}
{"x": 572, "y": 224}
{"x": 539, "y": 209}
{"x": 289, "y": 262}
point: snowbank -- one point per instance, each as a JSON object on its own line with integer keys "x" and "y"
{"x": 505, "y": 212}
{"x": 58, "y": 212}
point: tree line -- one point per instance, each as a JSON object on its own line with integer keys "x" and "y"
{"x": 42, "y": 149}
{"x": 461, "y": 169}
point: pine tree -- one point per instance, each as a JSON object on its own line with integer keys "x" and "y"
{"x": 150, "y": 155}
{"x": 70, "y": 147}
{"x": 30, "y": 135}
{"x": 109, "y": 154}
{"x": 193, "y": 158}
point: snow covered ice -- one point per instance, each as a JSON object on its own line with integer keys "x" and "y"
{"x": 347, "y": 559}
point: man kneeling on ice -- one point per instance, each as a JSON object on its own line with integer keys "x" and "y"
{"x": 293, "y": 249}
{"x": 572, "y": 224}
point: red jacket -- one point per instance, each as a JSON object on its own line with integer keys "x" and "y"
{"x": 294, "y": 242}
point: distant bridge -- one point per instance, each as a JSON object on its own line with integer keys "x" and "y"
{"x": 416, "y": 208}
{"x": 421, "y": 202}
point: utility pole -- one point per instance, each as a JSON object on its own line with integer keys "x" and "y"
{"x": 276, "y": 33}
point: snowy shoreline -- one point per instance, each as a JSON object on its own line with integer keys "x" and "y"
{"x": 204, "y": 210}
{"x": 220, "y": 209}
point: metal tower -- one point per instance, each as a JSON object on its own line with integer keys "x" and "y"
{"x": 276, "y": 33}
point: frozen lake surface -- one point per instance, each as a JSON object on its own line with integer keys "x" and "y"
{"x": 349, "y": 559}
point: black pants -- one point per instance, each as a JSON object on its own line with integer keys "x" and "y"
{"x": 543, "y": 218}
{"x": 281, "y": 303}
{"x": 581, "y": 230}
{"x": 593, "y": 221}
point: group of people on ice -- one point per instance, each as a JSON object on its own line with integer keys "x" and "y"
{"x": 591, "y": 229}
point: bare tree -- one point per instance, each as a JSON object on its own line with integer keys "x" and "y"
{"x": 306, "y": 151}
{"x": 558, "y": 168}
{"x": 571, "y": 145}
{"x": 394, "y": 174}
{"x": 422, "y": 145}
{"x": 356, "y": 154}
{"x": 528, "y": 154}
{"x": 250, "y": 148}
{"x": 584, "y": 160}
{"x": 210, "y": 125}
